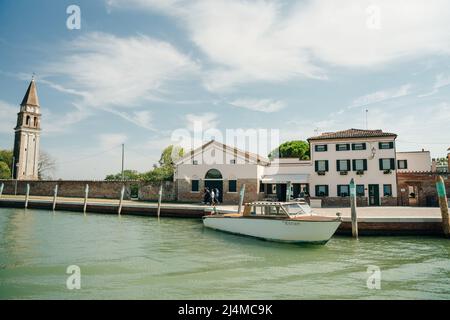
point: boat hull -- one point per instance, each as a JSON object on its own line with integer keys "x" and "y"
{"x": 280, "y": 230}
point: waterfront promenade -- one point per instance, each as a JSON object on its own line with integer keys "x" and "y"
{"x": 371, "y": 220}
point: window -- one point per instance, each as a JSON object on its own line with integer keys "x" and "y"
{"x": 359, "y": 146}
{"x": 402, "y": 164}
{"x": 320, "y": 147}
{"x": 360, "y": 190}
{"x": 213, "y": 174}
{"x": 386, "y": 145}
{"x": 343, "y": 190}
{"x": 233, "y": 161}
{"x": 359, "y": 164}
{"x": 261, "y": 187}
{"x": 321, "y": 165}
{"x": 387, "y": 164}
{"x": 321, "y": 191}
{"x": 269, "y": 188}
{"x": 387, "y": 190}
{"x": 342, "y": 147}
{"x": 343, "y": 165}
{"x": 28, "y": 120}
{"x": 232, "y": 186}
{"x": 195, "y": 162}
{"x": 195, "y": 186}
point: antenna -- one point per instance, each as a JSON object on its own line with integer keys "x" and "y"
{"x": 367, "y": 119}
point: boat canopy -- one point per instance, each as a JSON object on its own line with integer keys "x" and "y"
{"x": 277, "y": 208}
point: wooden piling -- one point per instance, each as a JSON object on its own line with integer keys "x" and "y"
{"x": 241, "y": 198}
{"x": 55, "y": 196}
{"x": 353, "y": 208}
{"x": 122, "y": 192}
{"x": 27, "y": 195}
{"x": 159, "y": 200}
{"x": 443, "y": 204}
{"x": 86, "y": 193}
{"x": 1, "y": 189}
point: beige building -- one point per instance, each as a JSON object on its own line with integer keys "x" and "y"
{"x": 27, "y": 135}
{"x": 418, "y": 161}
{"x": 367, "y": 156}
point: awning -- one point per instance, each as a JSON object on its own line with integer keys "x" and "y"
{"x": 285, "y": 178}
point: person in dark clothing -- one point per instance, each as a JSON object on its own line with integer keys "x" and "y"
{"x": 206, "y": 196}
{"x": 216, "y": 195}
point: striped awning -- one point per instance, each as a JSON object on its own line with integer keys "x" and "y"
{"x": 285, "y": 178}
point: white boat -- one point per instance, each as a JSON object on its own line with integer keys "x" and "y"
{"x": 277, "y": 221}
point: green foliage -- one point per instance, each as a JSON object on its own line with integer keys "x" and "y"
{"x": 442, "y": 161}
{"x": 292, "y": 149}
{"x": 161, "y": 172}
{"x": 5, "y": 172}
{"x": 5, "y": 164}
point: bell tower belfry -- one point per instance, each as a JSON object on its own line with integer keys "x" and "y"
{"x": 27, "y": 134}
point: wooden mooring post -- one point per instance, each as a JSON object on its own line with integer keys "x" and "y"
{"x": 86, "y": 194}
{"x": 27, "y": 195}
{"x": 122, "y": 193}
{"x": 1, "y": 189}
{"x": 353, "y": 209}
{"x": 55, "y": 196}
{"x": 159, "y": 200}
{"x": 241, "y": 198}
{"x": 443, "y": 204}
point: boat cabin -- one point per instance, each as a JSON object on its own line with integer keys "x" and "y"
{"x": 277, "y": 209}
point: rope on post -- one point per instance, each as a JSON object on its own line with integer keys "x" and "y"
{"x": 1, "y": 189}
{"x": 241, "y": 198}
{"x": 86, "y": 194}
{"x": 122, "y": 192}
{"x": 55, "y": 195}
{"x": 159, "y": 200}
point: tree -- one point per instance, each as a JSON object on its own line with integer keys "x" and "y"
{"x": 292, "y": 149}
{"x": 442, "y": 161}
{"x": 5, "y": 172}
{"x": 5, "y": 163}
{"x": 46, "y": 166}
{"x": 163, "y": 171}
{"x": 128, "y": 175}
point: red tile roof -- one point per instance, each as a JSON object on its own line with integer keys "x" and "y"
{"x": 353, "y": 133}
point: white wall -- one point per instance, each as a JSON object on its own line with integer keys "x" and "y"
{"x": 417, "y": 160}
{"x": 373, "y": 175}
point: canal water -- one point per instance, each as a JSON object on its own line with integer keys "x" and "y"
{"x": 143, "y": 258}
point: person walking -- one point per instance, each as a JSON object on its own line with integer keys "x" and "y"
{"x": 213, "y": 197}
{"x": 206, "y": 196}
{"x": 216, "y": 195}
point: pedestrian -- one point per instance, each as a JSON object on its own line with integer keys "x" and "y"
{"x": 216, "y": 194}
{"x": 206, "y": 196}
{"x": 213, "y": 197}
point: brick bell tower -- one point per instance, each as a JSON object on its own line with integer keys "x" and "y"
{"x": 27, "y": 132}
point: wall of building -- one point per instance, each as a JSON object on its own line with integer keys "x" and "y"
{"x": 423, "y": 185}
{"x": 97, "y": 189}
{"x": 373, "y": 175}
{"x": 416, "y": 160}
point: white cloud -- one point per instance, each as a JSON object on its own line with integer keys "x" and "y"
{"x": 263, "y": 105}
{"x": 381, "y": 95}
{"x": 111, "y": 140}
{"x": 248, "y": 41}
{"x": 440, "y": 82}
{"x": 207, "y": 120}
{"x": 113, "y": 73}
{"x": 8, "y": 117}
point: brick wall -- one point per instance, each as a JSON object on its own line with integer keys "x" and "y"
{"x": 424, "y": 187}
{"x": 97, "y": 189}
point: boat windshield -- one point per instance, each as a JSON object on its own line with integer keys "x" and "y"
{"x": 297, "y": 208}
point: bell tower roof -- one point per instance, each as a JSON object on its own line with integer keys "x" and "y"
{"x": 31, "y": 97}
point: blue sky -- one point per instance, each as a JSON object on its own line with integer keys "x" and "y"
{"x": 138, "y": 70}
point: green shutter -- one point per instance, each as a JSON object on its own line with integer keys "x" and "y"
{"x": 349, "y": 168}
{"x": 326, "y": 190}
{"x": 391, "y": 145}
{"x": 365, "y": 164}
{"x": 316, "y": 165}
{"x": 406, "y": 164}
{"x": 392, "y": 164}
{"x": 354, "y": 165}
{"x": 326, "y": 165}
{"x": 338, "y": 165}
{"x": 317, "y": 191}
{"x": 381, "y": 163}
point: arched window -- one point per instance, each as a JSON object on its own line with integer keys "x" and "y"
{"x": 213, "y": 174}
{"x": 35, "y": 121}
{"x": 28, "y": 121}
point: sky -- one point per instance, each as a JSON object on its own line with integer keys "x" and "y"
{"x": 146, "y": 72}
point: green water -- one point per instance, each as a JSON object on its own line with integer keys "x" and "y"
{"x": 141, "y": 258}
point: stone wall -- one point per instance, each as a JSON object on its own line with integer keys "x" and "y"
{"x": 97, "y": 189}
{"x": 424, "y": 187}
{"x": 344, "y": 202}
{"x": 184, "y": 193}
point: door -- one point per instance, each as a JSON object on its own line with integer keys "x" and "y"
{"x": 374, "y": 195}
{"x": 281, "y": 192}
{"x": 211, "y": 184}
